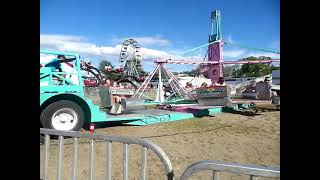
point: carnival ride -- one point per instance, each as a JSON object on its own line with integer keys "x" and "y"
{"x": 64, "y": 105}
{"x": 213, "y": 66}
{"x": 94, "y": 81}
{"x": 131, "y": 62}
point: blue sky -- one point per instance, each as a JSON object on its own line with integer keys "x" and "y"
{"x": 96, "y": 29}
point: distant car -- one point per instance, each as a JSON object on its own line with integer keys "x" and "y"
{"x": 90, "y": 82}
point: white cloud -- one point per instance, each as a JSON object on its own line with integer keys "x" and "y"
{"x": 76, "y": 44}
{"x": 56, "y": 38}
{"x": 233, "y": 53}
{"x": 153, "y": 53}
{"x": 152, "y": 41}
{"x": 229, "y": 39}
{"x": 147, "y": 40}
{"x": 84, "y": 47}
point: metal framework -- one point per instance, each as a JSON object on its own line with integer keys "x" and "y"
{"x": 170, "y": 61}
{"x": 215, "y": 63}
{"x": 180, "y": 92}
{"x": 108, "y": 140}
{"x": 178, "y": 89}
{"x": 130, "y": 57}
{"x": 47, "y": 79}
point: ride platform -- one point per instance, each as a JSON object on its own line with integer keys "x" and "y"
{"x": 175, "y": 113}
{"x": 148, "y": 117}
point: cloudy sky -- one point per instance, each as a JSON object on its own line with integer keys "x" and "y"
{"x": 96, "y": 29}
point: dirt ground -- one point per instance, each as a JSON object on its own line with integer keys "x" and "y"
{"x": 225, "y": 137}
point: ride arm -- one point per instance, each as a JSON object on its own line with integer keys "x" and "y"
{"x": 68, "y": 60}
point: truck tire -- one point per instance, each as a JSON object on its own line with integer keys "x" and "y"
{"x": 62, "y": 115}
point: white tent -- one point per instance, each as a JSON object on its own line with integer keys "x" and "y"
{"x": 195, "y": 81}
{"x": 276, "y": 77}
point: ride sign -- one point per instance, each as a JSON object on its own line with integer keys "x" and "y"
{"x": 212, "y": 92}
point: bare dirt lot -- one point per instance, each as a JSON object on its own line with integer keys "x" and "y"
{"x": 226, "y": 137}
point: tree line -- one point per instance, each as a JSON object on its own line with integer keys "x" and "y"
{"x": 245, "y": 70}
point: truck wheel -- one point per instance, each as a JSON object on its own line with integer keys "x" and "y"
{"x": 62, "y": 115}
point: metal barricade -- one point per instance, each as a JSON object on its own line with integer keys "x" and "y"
{"x": 253, "y": 171}
{"x": 93, "y": 94}
{"x": 146, "y": 145}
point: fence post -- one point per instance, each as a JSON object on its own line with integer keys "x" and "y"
{"x": 46, "y": 158}
{"x": 108, "y": 160}
{"x": 74, "y": 159}
{"x": 144, "y": 163}
{"x": 91, "y": 159}
{"x": 60, "y": 158}
{"x": 125, "y": 161}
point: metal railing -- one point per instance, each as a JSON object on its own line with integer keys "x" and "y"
{"x": 146, "y": 145}
{"x": 59, "y": 78}
{"x": 93, "y": 94}
{"x": 253, "y": 171}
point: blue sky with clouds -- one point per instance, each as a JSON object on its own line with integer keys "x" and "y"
{"x": 97, "y": 28}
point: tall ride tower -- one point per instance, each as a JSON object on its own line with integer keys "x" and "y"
{"x": 215, "y": 49}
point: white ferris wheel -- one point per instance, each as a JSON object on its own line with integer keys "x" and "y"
{"x": 130, "y": 57}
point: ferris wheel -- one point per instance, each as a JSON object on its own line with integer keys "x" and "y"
{"x": 130, "y": 57}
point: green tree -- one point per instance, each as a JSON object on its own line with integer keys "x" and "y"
{"x": 245, "y": 70}
{"x": 109, "y": 75}
{"x": 255, "y": 70}
{"x": 192, "y": 72}
{"x": 141, "y": 71}
{"x": 103, "y": 64}
{"x": 227, "y": 71}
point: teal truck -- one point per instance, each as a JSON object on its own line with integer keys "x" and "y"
{"x": 63, "y": 105}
